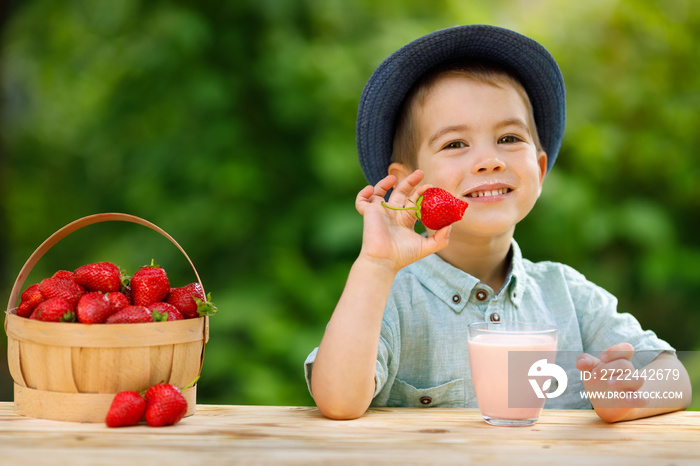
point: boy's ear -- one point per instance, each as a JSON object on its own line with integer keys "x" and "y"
{"x": 400, "y": 171}
{"x": 542, "y": 164}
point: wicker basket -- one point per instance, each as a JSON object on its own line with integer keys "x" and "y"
{"x": 71, "y": 371}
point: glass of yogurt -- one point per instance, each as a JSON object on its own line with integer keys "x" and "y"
{"x": 508, "y": 363}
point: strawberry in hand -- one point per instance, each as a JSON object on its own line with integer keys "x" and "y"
{"x": 436, "y": 208}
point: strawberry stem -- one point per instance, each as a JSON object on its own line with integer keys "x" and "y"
{"x": 415, "y": 208}
{"x": 205, "y": 308}
{"x": 69, "y": 316}
{"x": 191, "y": 384}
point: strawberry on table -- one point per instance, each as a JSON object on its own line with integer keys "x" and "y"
{"x": 165, "y": 405}
{"x": 149, "y": 285}
{"x": 54, "y": 310}
{"x": 127, "y": 409}
{"x": 191, "y": 302}
{"x": 100, "y": 276}
{"x": 131, "y": 315}
{"x": 94, "y": 308}
{"x": 61, "y": 288}
{"x": 436, "y": 208}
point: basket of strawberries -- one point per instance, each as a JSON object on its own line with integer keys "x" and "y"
{"x": 77, "y": 338}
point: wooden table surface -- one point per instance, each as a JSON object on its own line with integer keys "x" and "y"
{"x": 301, "y": 435}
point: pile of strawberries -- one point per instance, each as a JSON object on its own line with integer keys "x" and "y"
{"x": 103, "y": 293}
{"x": 163, "y": 404}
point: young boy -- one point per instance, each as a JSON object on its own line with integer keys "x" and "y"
{"x": 478, "y": 111}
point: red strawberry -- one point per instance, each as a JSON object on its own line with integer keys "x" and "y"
{"x": 127, "y": 409}
{"x": 24, "y": 309}
{"x": 191, "y": 302}
{"x": 100, "y": 276}
{"x": 149, "y": 285}
{"x": 128, "y": 294}
{"x": 437, "y": 208}
{"x": 54, "y": 310}
{"x": 32, "y": 295}
{"x": 130, "y": 315}
{"x": 30, "y": 299}
{"x": 165, "y": 405}
{"x": 94, "y": 308}
{"x": 118, "y": 300}
{"x": 60, "y": 288}
{"x": 63, "y": 275}
{"x": 168, "y": 311}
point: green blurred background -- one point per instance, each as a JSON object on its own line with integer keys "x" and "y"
{"x": 231, "y": 126}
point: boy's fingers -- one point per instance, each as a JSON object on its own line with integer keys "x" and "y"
{"x": 438, "y": 240}
{"x": 404, "y": 189}
{"x": 586, "y": 362}
{"x": 620, "y": 376}
{"x": 362, "y": 197}
{"x": 379, "y": 190}
{"x": 384, "y": 185}
{"x": 619, "y": 351}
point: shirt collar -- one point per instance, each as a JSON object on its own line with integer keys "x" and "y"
{"x": 515, "y": 280}
{"x": 454, "y": 286}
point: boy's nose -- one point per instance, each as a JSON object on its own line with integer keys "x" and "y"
{"x": 489, "y": 164}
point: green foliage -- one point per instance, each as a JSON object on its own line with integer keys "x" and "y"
{"x": 231, "y": 126}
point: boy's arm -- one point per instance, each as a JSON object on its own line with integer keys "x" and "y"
{"x": 650, "y": 391}
{"x": 342, "y": 378}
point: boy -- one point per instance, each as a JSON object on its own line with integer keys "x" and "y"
{"x": 478, "y": 111}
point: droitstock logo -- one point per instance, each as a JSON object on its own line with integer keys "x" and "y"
{"x": 542, "y": 368}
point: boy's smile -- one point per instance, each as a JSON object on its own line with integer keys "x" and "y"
{"x": 489, "y": 192}
{"x": 475, "y": 141}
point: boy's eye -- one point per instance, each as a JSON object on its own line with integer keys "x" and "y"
{"x": 510, "y": 139}
{"x": 455, "y": 145}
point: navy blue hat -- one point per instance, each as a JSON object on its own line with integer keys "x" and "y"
{"x": 388, "y": 86}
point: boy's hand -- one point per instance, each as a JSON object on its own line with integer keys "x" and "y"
{"x": 608, "y": 383}
{"x": 388, "y": 235}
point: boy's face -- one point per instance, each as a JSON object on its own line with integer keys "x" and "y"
{"x": 475, "y": 142}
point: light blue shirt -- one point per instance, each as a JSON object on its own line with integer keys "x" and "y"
{"x": 423, "y": 341}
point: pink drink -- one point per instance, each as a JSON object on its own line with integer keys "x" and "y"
{"x": 488, "y": 360}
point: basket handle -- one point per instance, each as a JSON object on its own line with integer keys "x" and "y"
{"x": 70, "y": 228}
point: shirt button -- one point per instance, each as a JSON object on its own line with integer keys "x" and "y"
{"x": 425, "y": 400}
{"x": 495, "y": 317}
{"x": 481, "y": 295}
{"x": 456, "y": 299}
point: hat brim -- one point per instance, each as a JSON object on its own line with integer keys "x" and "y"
{"x": 387, "y": 87}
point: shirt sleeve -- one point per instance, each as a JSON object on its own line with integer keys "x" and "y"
{"x": 603, "y": 326}
{"x": 381, "y": 372}
{"x": 308, "y": 366}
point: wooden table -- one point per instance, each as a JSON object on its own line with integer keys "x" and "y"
{"x": 301, "y": 435}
